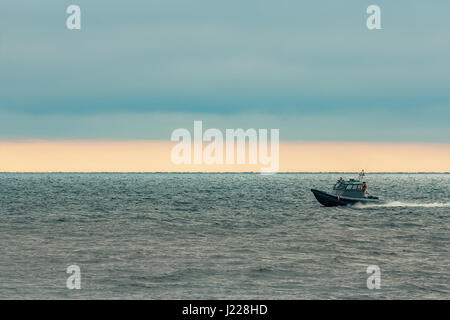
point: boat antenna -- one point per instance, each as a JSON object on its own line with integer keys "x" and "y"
{"x": 361, "y": 175}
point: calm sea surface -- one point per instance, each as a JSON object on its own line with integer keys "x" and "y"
{"x": 221, "y": 236}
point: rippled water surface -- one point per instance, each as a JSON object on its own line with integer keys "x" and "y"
{"x": 221, "y": 236}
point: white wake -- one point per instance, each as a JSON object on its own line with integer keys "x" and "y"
{"x": 403, "y": 204}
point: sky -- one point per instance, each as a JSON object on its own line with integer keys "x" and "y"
{"x": 155, "y": 156}
{"x": 137, "y": 70}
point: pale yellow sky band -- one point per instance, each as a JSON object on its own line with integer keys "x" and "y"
{"x": 154, "y": 156}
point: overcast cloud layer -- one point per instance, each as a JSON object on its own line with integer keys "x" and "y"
{"x": 139, "y": 69}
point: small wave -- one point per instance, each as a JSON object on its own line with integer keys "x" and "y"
{"x": 403, "y": 204}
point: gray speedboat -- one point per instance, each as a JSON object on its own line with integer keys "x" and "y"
{"x": 346, "y": 192}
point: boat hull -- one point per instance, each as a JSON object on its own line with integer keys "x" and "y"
{"x": 329, "y": 200}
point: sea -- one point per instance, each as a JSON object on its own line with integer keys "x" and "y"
{"x": 221, "y": 236}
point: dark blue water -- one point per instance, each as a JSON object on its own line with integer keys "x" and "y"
{"x": 221, "y": 236}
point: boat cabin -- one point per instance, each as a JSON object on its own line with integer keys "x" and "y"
{"x": 349, "y": 188}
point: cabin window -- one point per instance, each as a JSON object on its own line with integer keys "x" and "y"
{"x": 338, "y": 186}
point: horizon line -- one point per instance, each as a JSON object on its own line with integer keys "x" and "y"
{"x": 223, "y": 172}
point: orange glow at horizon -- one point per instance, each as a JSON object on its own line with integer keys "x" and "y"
{"x": 154, "y": 156}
